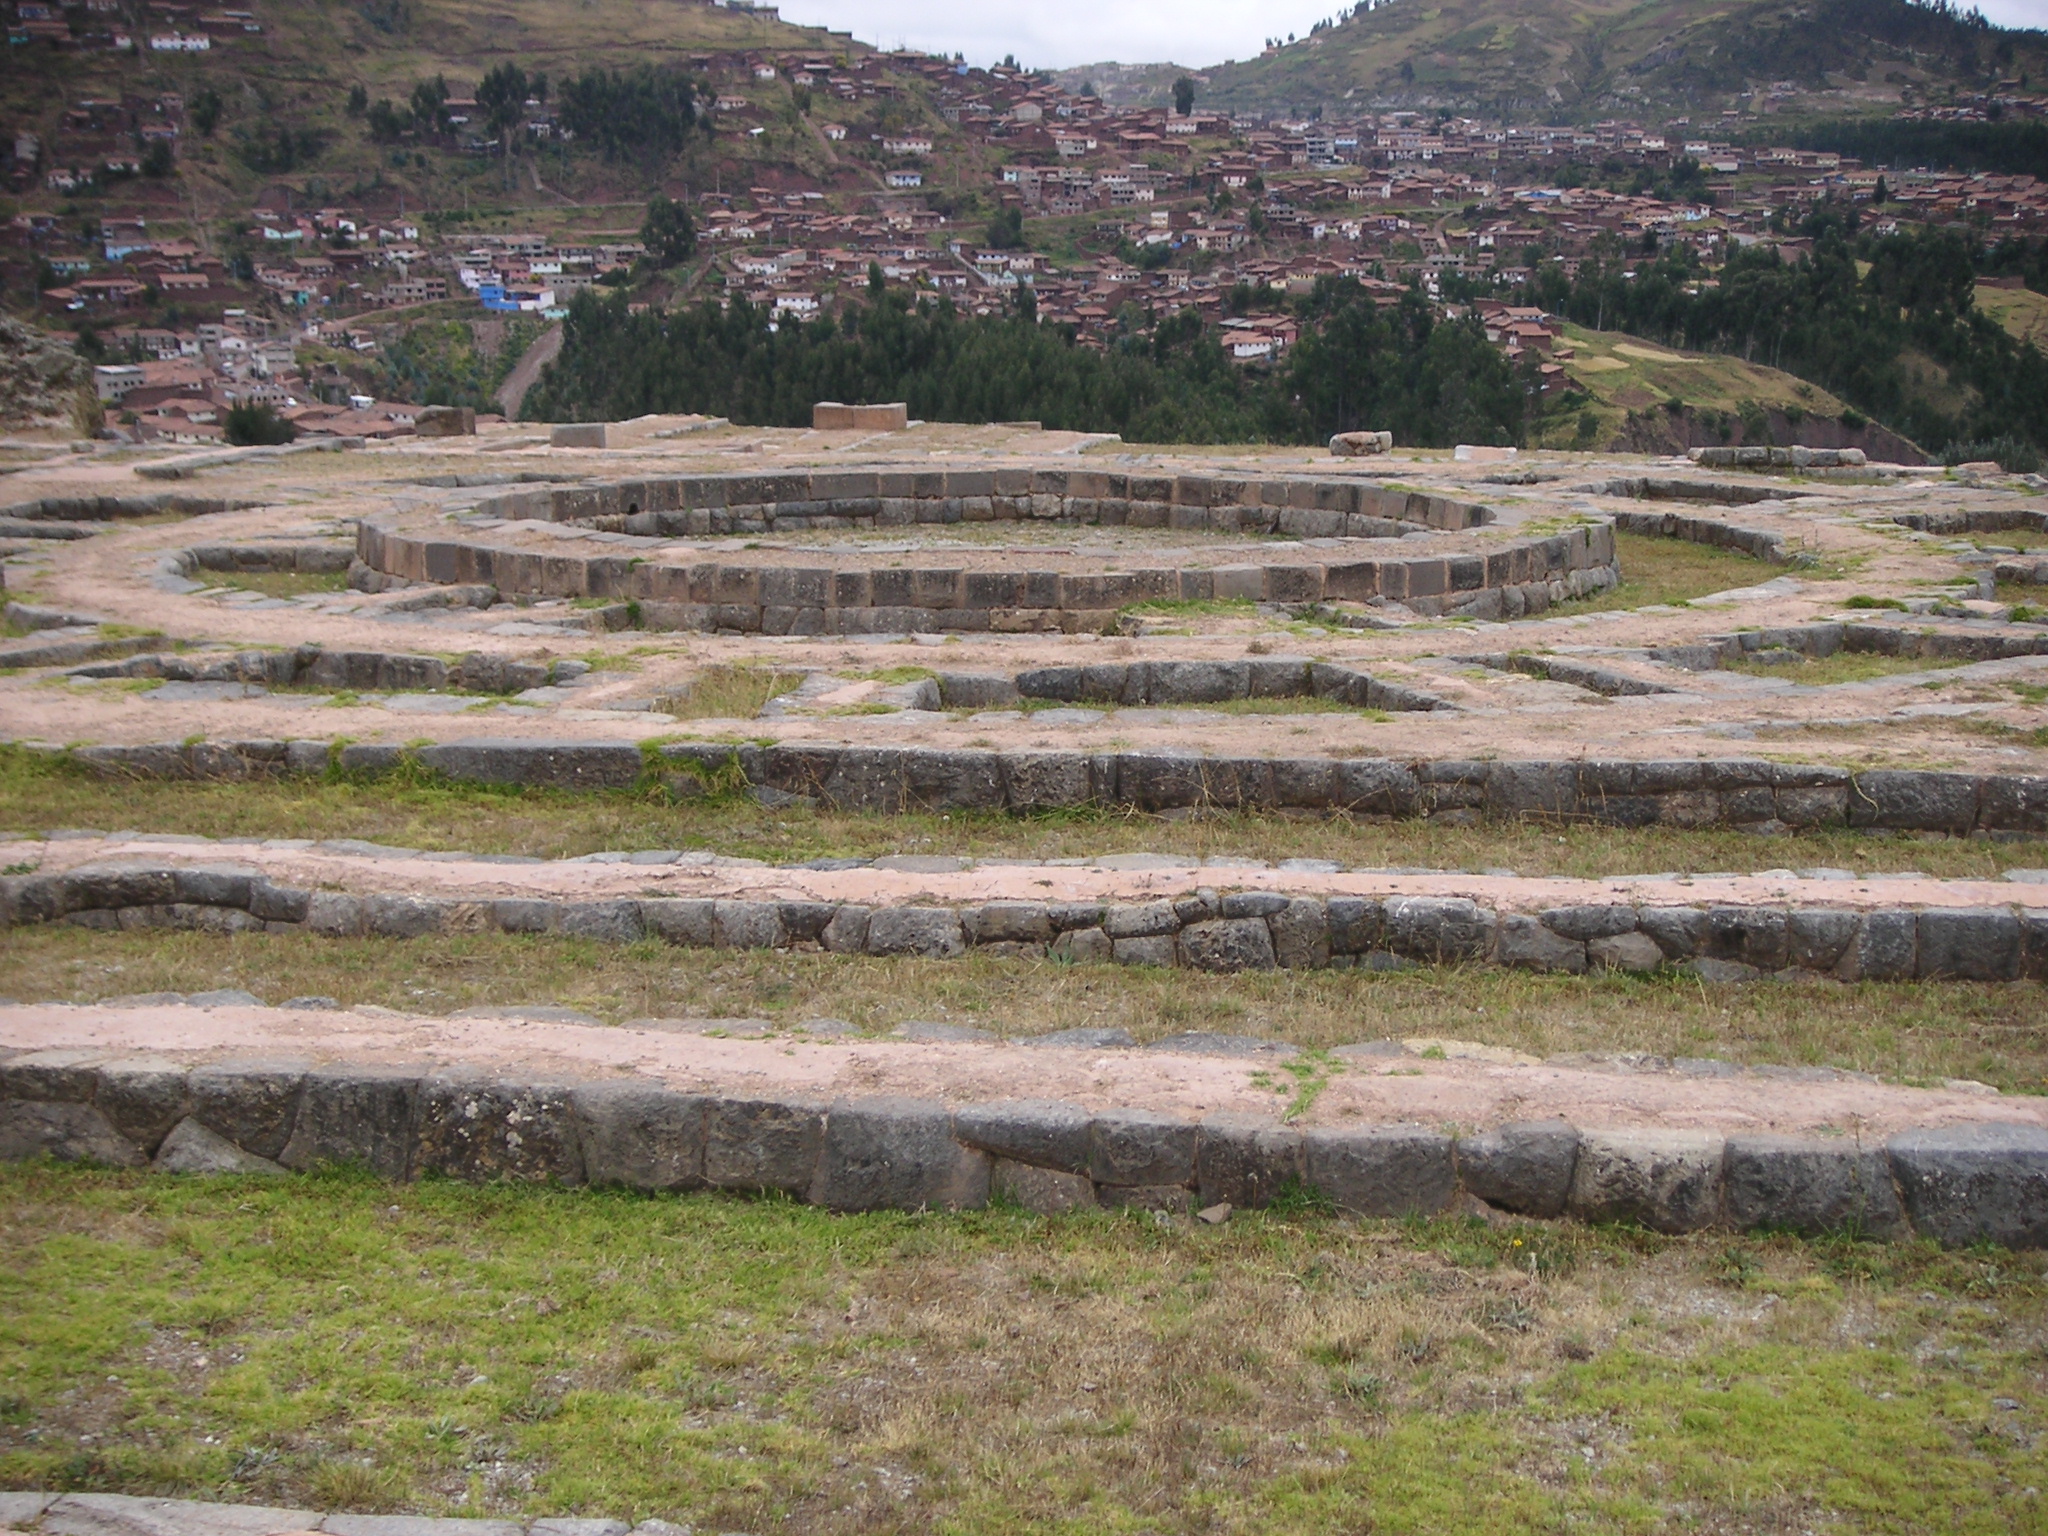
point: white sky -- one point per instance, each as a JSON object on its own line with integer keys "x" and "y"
{"x": 1053, "y": 34}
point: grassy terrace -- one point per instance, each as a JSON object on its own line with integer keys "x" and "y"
{"x": 752, "y": 1365}
{"x": 1923, "y": 1033}
{"x": 36, "y": 795}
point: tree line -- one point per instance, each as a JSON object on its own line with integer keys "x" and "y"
{"x": 2013, "y": 147}
{"x": 1816, "y": 317}
{"x": 1432, "y": 383}
{"x": 647, "y": 112}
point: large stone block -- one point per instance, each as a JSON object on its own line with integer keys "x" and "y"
{"x": 1228, "y": 944}
{"x": 252, "y": 1104}
{"x": 1042, "y": 1191}
{"x": 931, "y": 932}
{"x": 360, "y": 1115}
{"x": 1810, "y": 1186}
{"x": 1975, "y": 1183}
{"x": 1245, "y": 1161}
{"x": 1392, "y": 1170}
{"x": 142, "y": 1099}
{"x": 1524, "y": 1167}
{"x": 1301, "y": 934}
{"x": 1008, "y": 922}
{"x": 1969, "y": 944}
{"x": 192, "y": 1148}
{"x": 1136, "y": 1146}
{"x": 640, "y": 1135}
{"x": 1047, "y": 1133}
{"x": 1444, "y": 929}
{"x": 478, "y": 1129}
{"x": 762, "y": 1144}
{"x": 68, "y": 1132}
{"x": 1668, "y": 1180}
{"x": 1527, "y": 943}
{"x": 749, "y": 925}
{"x": 896, "y": 1154}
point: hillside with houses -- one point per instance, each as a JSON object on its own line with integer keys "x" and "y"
{"x": 402, "y": 245}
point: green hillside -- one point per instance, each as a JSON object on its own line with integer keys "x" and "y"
{"x": 298, "y": 73}
{"x": 1583, "y": 59}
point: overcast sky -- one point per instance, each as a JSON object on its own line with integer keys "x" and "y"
{"x": 1052, "y": 34}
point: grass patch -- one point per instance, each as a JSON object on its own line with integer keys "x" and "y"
{"x": 430, "y": 813}
{"x": 728, "y": 692}
{"x": 1995, "y": 1033}
{"x": 1672, "y": 571}
{"x": 750, "y": 1365}
{"x": 1845, "y": 667}
{"x": 279, "y": 583}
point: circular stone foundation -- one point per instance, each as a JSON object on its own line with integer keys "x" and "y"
{"x": 1443, "y": 567}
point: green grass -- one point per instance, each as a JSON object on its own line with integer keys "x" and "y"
{"x": 422, "y": 812}
{"x": 749, "y": 1365}
{"x": 1672, "y": 571}
{"x": 1992, "y": 1032}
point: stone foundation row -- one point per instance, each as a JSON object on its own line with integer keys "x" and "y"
{"x": 1739, "y": 792}
{"x": 1982, "y": 1183}
{"x": 800, "y": 498}
{"x": 1205, "y": 930}
{"x": 782, "y": 599}
{"x": 312, "y": 666}
{"x": 1755, "y": 542}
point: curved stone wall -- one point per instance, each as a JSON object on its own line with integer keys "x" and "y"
{"x": 855, "y": 597}
{"x": 801, "y": 500}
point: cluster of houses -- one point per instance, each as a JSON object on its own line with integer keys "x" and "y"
{"x": 177, "y": 386}
{"x": 1171, "y": 212}
{"x": 105, "y": 26}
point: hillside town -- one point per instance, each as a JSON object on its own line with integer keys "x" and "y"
{"x": 992, "y": 188}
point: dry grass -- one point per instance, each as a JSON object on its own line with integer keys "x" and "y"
{"x": 752, "y": 1365}
{"x": 727, "y": 692}
{"x": 36, "y": 796}
{"x": 1996, "y": 1033}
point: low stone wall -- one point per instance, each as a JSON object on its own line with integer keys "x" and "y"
{"x": 800, "y": 499}
{"x": 1661, "y": 488}
{"x": 1526, "y": 576}
{"x": 1139, "y": 683}
{"x": 1706, "y": 530}
{"x": 1826, "y": 639}
{"x": 1763, "y": 457}
{"x": 1206, "y": 929}
{"x": 1984, "y": 1183}
{"x": 107, "y": 508}
{"x": 1974, "y": 520}
{"x": 311, "y": 666}
{"x": 302, "y": 558}
{"x": 1688, "y": 792}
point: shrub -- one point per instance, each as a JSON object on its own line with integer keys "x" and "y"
{"x": 253, "y": 426}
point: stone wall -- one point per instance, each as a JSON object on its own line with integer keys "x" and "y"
{"x": 1205, "y": 929}
{"x": 1983, "y": 1183}
{"x": 1706, "y": 530}
{"x": 312, "y": 666}
{"x": 818, "y": 499}
{"x": 1739, "y": 792}
{"x": 781, "y": 599}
